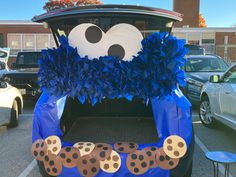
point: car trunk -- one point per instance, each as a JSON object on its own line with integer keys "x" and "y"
{"x": 110, "y": 121}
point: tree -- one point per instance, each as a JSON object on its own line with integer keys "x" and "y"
{"x": 202, "y": 21}
{"x": 60, "y": 4}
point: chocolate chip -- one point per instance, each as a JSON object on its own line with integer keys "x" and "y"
{"x": 75, "y": 156}
{"x": 119, "y": 144}
{"x": 115, "y": 165}
{"x": 99, "y": 145}
{"x": 106, "y": 166}
{"x": 94, "y": 170}
{"x": 54, "y": 149}
{"x": 48, "y": 170}
{"x": 41, "y": 153}
{"x": 35, "y": 153}
{"x": 62, "y": 155}
{"x": 144, "y": 164}
{"x": 89, "y": 144}
{"x": 180, "y": 144}
{"x": 54, "y": 170}
{"x": 49, "y": 141}
{"x": 171, "y": 163}
{"x": 151, "y": 162}
{"x": 121, "y": 149}
{"x": 116, "y": 50}
{"x": 81, "y": 143}
{"x": 46, "y": 158}
{"x": 93, "y": 34}
{"x": 54, "y": 142}
{"x": 115, "y": 158}
{"x": 93, "y": 160}
{"x": 102, "y": 154}
{"x": 84, "y": 161}
{"x": 132, "y": 164}
{"x": 134, "y": 156}
{"x": 176, "y": 153}
{"x": 51, "y": 163}
{"x": 167, "y": 157}
{"x": 87, "y": 149}
{"x": 85, "y": 172}
{"x": 42, "y": 144}
{"x": 141, "y": 157}
{"x": 105, "y": 148}
{"x": 153, "y": 148}
{"x": 68, "y": 160}
{"x": 68, "y": 149}
{"x": 37, "y": 145}
{"x": 132, "y": 146}
{"x": 161, "y": 158}
{"x": 169, "y": 148}
{"x": 169, "y": 141}
{"x": 149, "y": 153}
{"x": 136, "y": 170}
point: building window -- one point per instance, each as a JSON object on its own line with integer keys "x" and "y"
{"x": 29, "y": 42}
{"x": 180, "y": 35}
{"x": 1, "y": 40}
{"x": 208, "y": 42}
{"x": 194, "y": 38}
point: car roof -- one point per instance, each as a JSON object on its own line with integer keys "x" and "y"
{"x": 202, "y": 56}
{"x": 104, "y": 9}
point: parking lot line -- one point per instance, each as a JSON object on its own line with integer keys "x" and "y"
{"x": 28, "y": 169}
{"x": 204, "y": 149}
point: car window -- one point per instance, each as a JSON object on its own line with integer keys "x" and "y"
{"x": 3, "y": 54}
{"x": 205, "y": 65}
{"x": 30, "y": 59}
{"x": 230, "y": 76}
{"x": 2, "y": 65}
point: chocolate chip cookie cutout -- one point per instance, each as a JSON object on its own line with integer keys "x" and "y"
{"x": 102, "y": 151}
{"x": 138, "y": 162}
{"x": 52, "y": 164}
{"x": 151, "y": 153}
{"x": 88, "y": 165}
{"x": 112, "y": 163}
{"x": 84, "y": 147}
{"x": 164, "y": 161}
{"x": 54, "y": 144}
{"x": 39, "y": 149}
{"x": 125, "y": 147}
{"x": 175, "y": 147}
{"x": 69, "y": 156}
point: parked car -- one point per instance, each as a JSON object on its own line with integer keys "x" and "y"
{"x": 195, "y": 49}
{"x": 114, "y": 119}
{"x": 218, "y": 99}
{"x": 4, "y": 55}
{"x": 24, "y": 73}
{"x": 11, "y": 105}
{"x": 198, "y": 69}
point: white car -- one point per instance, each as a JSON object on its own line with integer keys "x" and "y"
{"x": 4, "y": 55}
{"x": 218, "y": 99}
{"x": 11, "y": 104}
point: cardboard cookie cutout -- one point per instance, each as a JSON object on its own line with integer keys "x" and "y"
{"x": 69, "y": 156}
{"x": 112, "y": 163}
{"x": 84, "y": 147}
{"x": 125, "y": 147}
{"x": 88, "y": 165}
{"x": 52, "y": 164}
{"x": 53, "y": 144}
{"x": 138, "y": 162}
{"x": 175, "y": 146}
{"x": 102, "y": 151}
{"x": 39, "y": 149}
{"x": 151, "y": 153}
{"x": 164, "y": 161}
{"x": 122, "y": 41}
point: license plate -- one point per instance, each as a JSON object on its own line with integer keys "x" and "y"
{"x": 22, "y": 91}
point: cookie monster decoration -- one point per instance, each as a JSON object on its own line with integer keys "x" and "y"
{"x": 91, "y": 65}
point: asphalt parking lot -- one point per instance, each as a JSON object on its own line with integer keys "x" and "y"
{"x": 16, "y": 159}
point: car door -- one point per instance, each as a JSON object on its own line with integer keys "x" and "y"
{"x": 228, "y": 94}
{"x": 5, "y": 106}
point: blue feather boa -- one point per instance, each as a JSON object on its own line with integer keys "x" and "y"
{"x": 154, "y": 72}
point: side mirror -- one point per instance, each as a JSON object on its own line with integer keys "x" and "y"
{"x": 215, "y": 79}
{"x": 3, "y": 84}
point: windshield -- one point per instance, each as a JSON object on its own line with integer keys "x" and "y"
{"x": 3, "y": 54}
{"x": 205, "y": 65}
{"x": 26, "y": 60}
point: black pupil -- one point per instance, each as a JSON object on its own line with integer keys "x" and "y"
{"x": 93, "y": 34}
{"x": 116, "y": 50}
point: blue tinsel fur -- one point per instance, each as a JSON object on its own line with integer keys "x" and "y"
{"x": 154, "y": 72}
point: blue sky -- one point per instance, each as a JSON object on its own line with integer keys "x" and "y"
{"x": 217, "y": 13}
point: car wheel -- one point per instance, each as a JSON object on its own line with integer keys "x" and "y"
{"x": 205, "y": 113}
{"x": 14, "y": 115}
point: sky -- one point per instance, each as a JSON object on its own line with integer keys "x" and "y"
{"x": 217, "y": 13}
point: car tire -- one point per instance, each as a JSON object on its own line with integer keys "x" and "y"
{"x": 14, "y": 115}
{"x": 205, "y": 113}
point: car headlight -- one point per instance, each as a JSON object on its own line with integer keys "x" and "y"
{"x": 194, "y": 82}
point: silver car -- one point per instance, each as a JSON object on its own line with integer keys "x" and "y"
{"x": 218, "y": 99}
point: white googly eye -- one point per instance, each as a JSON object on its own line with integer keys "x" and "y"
{"x": 88, "y": 38}
{"x": 123, "y": 41}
